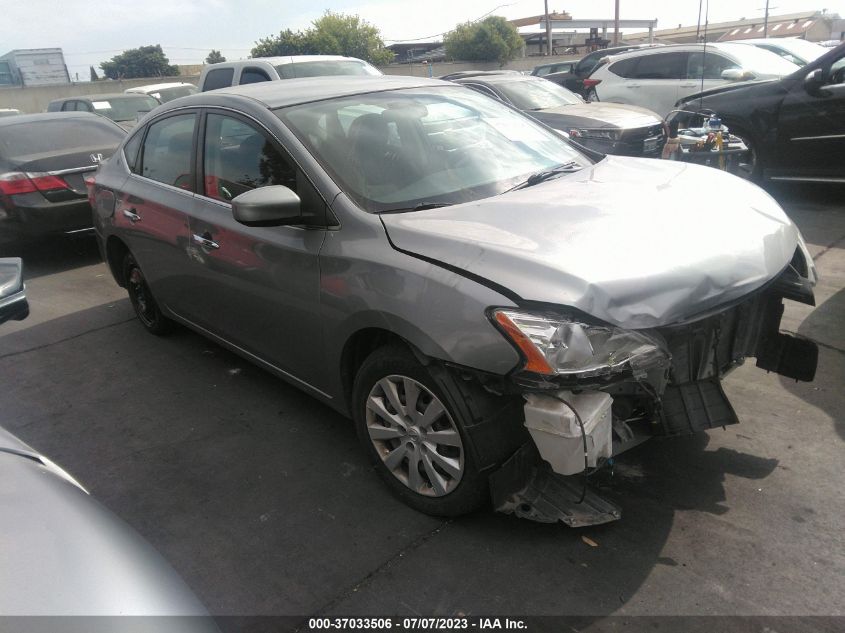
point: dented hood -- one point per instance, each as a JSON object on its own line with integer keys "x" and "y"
{"x": 635, "y": 242}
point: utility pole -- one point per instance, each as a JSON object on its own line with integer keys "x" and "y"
{"x": 548, "y": 30}
{"x": 766, "y": 21}
{"x": 616, "y": 26}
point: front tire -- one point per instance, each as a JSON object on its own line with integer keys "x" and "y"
{"x": 145, "y": 306}
{"x": 415, "y": 438}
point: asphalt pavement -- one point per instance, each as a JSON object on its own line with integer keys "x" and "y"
{"x": 262, "y": 500}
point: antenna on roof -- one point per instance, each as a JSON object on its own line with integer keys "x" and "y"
{"x": 704, "y": 51}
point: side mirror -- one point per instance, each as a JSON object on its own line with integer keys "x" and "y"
{"x": 814, "y": 81}
{"x": 737, "y": 74}
{"x": 267, "y": 206}
{"x": 13, "y": 303}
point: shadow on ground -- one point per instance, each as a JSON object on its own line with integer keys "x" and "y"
{"x": 261, "y": 498}
{"x": 54, "y": 254}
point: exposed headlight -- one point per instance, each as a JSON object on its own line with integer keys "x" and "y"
{"x": 557, "y": 345}
{"x": 611, "y": 135}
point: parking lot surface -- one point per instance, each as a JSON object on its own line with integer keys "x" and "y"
{"x": 262, "y": 500}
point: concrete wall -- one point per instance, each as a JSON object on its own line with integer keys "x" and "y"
{"x": 31, "y": 100}
{"x": 442, "y": 68}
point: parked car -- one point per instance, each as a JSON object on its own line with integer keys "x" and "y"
{"x": 574, "y": 79}
{"x": 445, "y": 270}
{"x": 43, "y": 160}
{"x": 123, "y": 109}
{"x": 9, "y": 112}
{"x": 250, "y": 71}
{"x": 657, "y": 78}
{"x": 63, "y": 553}
{"x": 793, "y": 49}
{"x": 608, "y": 128}
{"x": 556, "y": 67}
{"x": 795, "y": 126}
{"x": 165, "y": 92}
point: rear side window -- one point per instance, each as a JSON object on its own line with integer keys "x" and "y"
{"x": 661, "y": 66}
{"x": 40, "y": 137}
{"x": 624, "y": 67}
{"x": 253, "y": 76}
{"x": 130, "y": 151}
{"x": 218, "y": 78}
{"x": 166, "y": 156}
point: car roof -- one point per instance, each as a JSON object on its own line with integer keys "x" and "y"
{"x": 279, "y": 94}
{"x": 500, "y": 78}
{"x": 164, "y": 86}
{"x": 47, "y": 116}
{"x": 102, "y": 97}
{"x": 285, "y": 59}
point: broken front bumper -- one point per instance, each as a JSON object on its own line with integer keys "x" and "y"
{"x": 544, "y": 480}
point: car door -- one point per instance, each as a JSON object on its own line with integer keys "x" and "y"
{"x": 151, "y": 211}
{"x": 255, "y": 287}
{"x": 655, "y": 81}
{"x": 811, "y": 136}
{"x": 704, "y": 71}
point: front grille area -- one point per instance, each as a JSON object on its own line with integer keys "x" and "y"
{"x": 635, "y": 140}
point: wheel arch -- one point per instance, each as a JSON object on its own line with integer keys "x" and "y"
{"x": 116, "y": 251}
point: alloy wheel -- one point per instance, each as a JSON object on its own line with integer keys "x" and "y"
{"x": 415, "y": 436}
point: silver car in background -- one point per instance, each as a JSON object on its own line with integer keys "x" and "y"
{"x": 497, "y": 312}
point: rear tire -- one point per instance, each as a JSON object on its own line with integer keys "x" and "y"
{"x": 414, "y": 436}
{"x": 145, "y": 306}
{"x": 750, "y": 166}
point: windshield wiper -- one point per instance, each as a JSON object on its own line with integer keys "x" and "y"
{"x": 536, "y": 178}
{"x": 422, "y": 206}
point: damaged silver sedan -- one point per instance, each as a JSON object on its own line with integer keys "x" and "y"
{"x": 499, "y": 313}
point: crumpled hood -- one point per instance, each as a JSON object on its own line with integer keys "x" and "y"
{"x": 598, "y": 115}
{"x": 635, "y": 242}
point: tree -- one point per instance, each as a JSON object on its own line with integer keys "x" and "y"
{"x": 332, "y": 34}
{"x": 214, "y": 57}
{"x": 492, "y": 39}
{"x": 146, "y": 61}
{"x": 287, "y": 43}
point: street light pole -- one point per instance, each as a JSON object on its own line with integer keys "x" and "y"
{"x": 548, "y": 30}
{"x": 616, "y": 26}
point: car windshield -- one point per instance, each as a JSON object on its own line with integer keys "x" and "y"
{"x": 126, "y": 108}
{"x": 760, "y": 61}
{"x": 169, "y": 94}
{"x": 325, "y": 68}
{"x": 794, "y": 49}
{"x": 537, "y": 94}
{"x": 425, "y": 146}
{"x": 39, "y": 137}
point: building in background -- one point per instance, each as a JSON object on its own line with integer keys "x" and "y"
{"x": 33, "y": 67}
{"x": 815, "y": 26}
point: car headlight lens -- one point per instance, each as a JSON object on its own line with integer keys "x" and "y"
{"x": 555, "y": 345}
{"x": 610, "y": 135}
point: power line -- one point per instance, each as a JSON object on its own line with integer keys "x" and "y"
{"x": 428, "y": 37}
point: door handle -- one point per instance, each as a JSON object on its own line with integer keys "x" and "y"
{"x": 202, "y": 240}
{"x": 131, "y": 215}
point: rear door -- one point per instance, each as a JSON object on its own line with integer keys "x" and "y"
{"x": 812, "y": 127}
{"x": 654, "y": 82}
{"x": 256, "y": 287}
{"x": 151, "y": 213}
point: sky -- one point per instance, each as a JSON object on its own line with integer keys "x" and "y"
{"x": 92, "y": 32}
